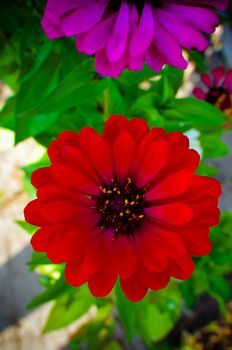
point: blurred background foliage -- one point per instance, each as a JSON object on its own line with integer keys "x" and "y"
{"x": 53, "y": 88}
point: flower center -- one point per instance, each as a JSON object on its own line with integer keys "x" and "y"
{"x": 221, "y": 99}
{"x": 121, "y": 207}
{"x": 116, "y": 4}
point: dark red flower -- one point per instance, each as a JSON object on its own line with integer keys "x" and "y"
{"x": 217, "y": 90}
{"x": 126, "y": 204}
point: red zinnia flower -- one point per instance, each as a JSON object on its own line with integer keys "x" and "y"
{"x": 218, "y": 90}
{"x": 125, "y": 204}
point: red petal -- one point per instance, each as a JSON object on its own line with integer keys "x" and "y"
{"x": 153, "y": 135}
{"x": 228, "y": 80}
{"x": 173, "y": 213}
{"x": 69, "y": 136}
{"x": 72, "y": 178}
{"x": 113, "y": 126}
{"x": 199, "y": 93}
{"x": 85, "y": 137}
{"x": 59, "y": 211}
{"x": 43, "y": 237}
{"x": 137, "y": 128}
{"x": 169, "y": 244}
{"x": 101, "y": 157}
{"x": 133, "y": 288}
{"x": 196, "y": 239}
{"x": 123, "y": 259}
{"x": 74, "y": 274}
{"x": 178, "y": 141}
{"x": 123, "y": 151}
{"x": 218, "y": 74}
{"x": 41, "y": 177}
{"x": 149, "y": 254}
{"x": 206, "y": 79}
{"x": 172, "y": 186}
{"x": 98, "y": 252}
{"x": 32, "y": 213}
{"x": 181, "y": 268}
{"x": 67, "y": 246}
{"x": 187, "y": 159}
{"x": 213, "y": 186}
{"x": 55, "y": 151}
{"x": 102, "y": 282}
{"x": 53, "y": 192}
{"x": 154, "y": 280}
{"x": 154, "y": 161}
{"x": 77, "y": 158}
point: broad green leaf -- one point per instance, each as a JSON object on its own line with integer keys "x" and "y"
{"x": 69, "y": 308}
{"x": 198, "y": 113}
{"x": 160, "y": 313}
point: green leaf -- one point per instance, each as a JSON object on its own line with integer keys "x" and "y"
{"x": 131, "y": 79}
{"x": 113, "y": 346}
{"x": 187, "y": 291}
{"x": 7, "y": 114}
{"x": 175, "y": 78}
{"x": 69, "y": 308}
{"x": 198, "y": 113}
{"x": 27, "y": 227}
{"x": 213, "y": 146}
{"x": 157, "y": 317}
{"x": 38, "y": 259}
{"x": 220, "y": 286}
{"x": 53, "y": 292}
{"x": 199, "y": 59}
{"x": 33, "y": 91}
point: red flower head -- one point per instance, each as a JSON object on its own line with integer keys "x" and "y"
{"x": 125, "y": 204}
{"x": 218, "y": 90}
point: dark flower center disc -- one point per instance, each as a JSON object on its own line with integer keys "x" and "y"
{"x": 116, "y": 4}
{"x": 121, "y": 207}
{"x": 221, "y": 98}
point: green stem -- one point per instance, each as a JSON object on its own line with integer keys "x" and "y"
{"x": 106, "y": 104}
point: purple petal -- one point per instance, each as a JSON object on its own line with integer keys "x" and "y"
{"x": 143, "y": 36}
{"x": 84, "y": 18}
{"x": 190, "y": 38}
{"x": 202, "y": 19}
{"x": 168, "y": 46}
{"x": 118, "y": 42}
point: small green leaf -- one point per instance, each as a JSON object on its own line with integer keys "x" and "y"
{"x": 27, "y": 227}
{"x": 53, "y": 292}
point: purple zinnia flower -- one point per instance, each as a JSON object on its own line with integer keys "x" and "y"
{"x": 125, "y": 33}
